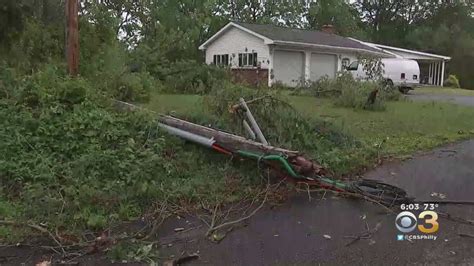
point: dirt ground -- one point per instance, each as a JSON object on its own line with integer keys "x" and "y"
{"x": 293, "y": 234}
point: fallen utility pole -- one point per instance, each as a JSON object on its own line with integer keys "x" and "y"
{"x": 235, "y": 143}
{"x": 224, "y": 138}
{"x": 290, "y": 164}
{"x": 231, "y": 142}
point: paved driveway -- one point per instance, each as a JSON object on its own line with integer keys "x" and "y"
{"x": 457, "y": 99}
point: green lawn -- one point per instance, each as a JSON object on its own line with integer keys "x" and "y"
{"x": 443, "y": 90}
{"x": 404, "y": 127}
{"x": 165, "y": 103}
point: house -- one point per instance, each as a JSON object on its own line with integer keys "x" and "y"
{"x": 269, "y": 54}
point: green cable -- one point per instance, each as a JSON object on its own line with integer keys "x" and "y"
{"x": 287, "y": 166}
{"x": 334, "y": 182}
{"x": 279, "y": 158}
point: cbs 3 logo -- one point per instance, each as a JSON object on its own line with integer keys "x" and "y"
{"x": 406, "y": 222}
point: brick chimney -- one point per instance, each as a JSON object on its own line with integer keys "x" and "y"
{"x": 328, "y": 28}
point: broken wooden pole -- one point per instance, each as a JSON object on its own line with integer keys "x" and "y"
{"x": 249, "y": 130}
{"x": 253, "y": 122}
{"x": 226, "y": 140}
{"x": 234, "y": 143}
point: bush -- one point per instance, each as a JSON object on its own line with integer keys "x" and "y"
{"x": 389, "y": 93}
{"x": 190, "y": 77}
{"x": 348, "y": 92}
{"x": 283, "y": 126}
{"x": 109, "y": 70}
{"x": 35, "y": 46}
{"x": 133, "y": 87}
{"x": 452, "y": 81}
{"x": 69, "y": 160}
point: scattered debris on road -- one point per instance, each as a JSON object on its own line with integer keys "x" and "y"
{"x": 367, "y": 234}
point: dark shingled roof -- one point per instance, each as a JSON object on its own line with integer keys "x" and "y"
{"x": 277, "y": 33}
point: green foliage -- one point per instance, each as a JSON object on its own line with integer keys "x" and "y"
{"x": 356, "y": 96}
{"x": 452, "y": 81}
{"x": 132, "y": 87}
{"x": 284, "y": 126}
{"x": 449, "y": 27}
{"x": 70, "y": 160}
{"x": 337, "y": 13}
{"x": 345, "y": 91}
{"x": 402, "y": 129}
{"x": 190, "y": 77}
{"x": 12, "y": 15}
{"x": 36, "y": 45}
{"x": 372, "y": 66}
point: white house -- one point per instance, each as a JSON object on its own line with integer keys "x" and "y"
{"x": 267, "y": 54}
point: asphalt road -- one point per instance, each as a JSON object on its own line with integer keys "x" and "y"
{"x": 456, "y": 99}
{"x": 294, "y": 233}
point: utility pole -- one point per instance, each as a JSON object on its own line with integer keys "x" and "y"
{"x": 72, "y": 37}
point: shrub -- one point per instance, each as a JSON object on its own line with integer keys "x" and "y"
{"x": 389, "y": 93}
{"x": 134, "y": 87}
{"x": 70, "y": 160}
{"x": 356, "y": 95}
{"x": 109, "y": 70}
{"x": 452, "y": 81}
{"x": 323, "y": 87}
{"x": 345, "y": 91}
{"x": 283, "y": 126}
{"x": 37, "y": 44}
{"x": 190, "y": 77}
{"x": 278, "y": 85}
{"x": 7, "y": 80}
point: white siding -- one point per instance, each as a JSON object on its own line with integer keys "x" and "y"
{"x": 235, "y": 41}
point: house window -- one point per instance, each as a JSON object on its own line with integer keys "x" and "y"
{"x": 247, "y": 59}
{"x": 345, "y": 63}
{"x": 221, "y": 59}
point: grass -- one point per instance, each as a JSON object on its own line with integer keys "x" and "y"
{"x": 443, "y": 90}
{"x": 404, "y": 127}
{"x": 165, "y": 103}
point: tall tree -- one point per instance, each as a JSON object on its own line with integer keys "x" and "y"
{"x": 11, "y": 20}
{"x": 285, "y": 13}
{"x": 450, "y": 31}
{"x": 383, "y": 18}
{"x": 337, "y": 13}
